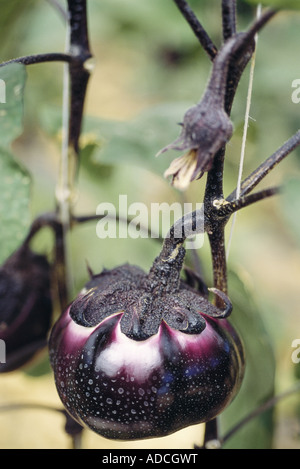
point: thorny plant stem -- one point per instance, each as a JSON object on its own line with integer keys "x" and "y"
{"x": 244, "y": 201}
{"x": 40, "y": 58}
{"x": 263, "y": 170}
{"x": 197, "y": 28}
{"x": 236, "y": 68}
{"x": 79, "y": 70}
{"x": 214, "y": 183}
{"x": 228, "y": 18}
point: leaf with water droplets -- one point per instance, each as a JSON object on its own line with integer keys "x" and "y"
{"x": 12, "y": 83}
{"x": 14, "y": 179}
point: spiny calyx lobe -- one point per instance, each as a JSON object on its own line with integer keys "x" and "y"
{"x": 144, "y": 305}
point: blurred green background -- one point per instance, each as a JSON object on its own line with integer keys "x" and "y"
{"x": 148, "y": 70}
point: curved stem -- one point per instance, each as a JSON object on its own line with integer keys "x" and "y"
{"x": 167, "y": 266}
{"x": 45, "y": 219}
{"x": 261, "y": 21}
{"x": 243, "y": 55}
{"x": 263, "y": 170}
{"x": 233, "y": 48}
{"x": 40, "y": 58}
{"x": 52, "y": 221}
{"x": 190, "y": 224}
{"x": 172, "y": 254}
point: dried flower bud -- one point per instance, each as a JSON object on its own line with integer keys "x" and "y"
{"x": 206, "y": 127}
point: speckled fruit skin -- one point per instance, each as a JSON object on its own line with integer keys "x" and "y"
{"x": 126, "y": 389}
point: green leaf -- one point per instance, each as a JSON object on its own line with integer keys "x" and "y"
{"x": 258, "y": 384}
{"x": 14, "y": 204}
{"x": 284, "y": 4}
{"x": 290, "y": 202}
{"x": 12, "y": 83}
{"x": 14, "y": 179}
